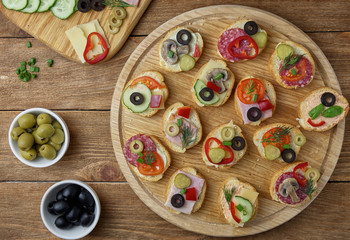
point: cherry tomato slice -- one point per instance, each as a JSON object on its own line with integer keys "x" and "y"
{"x": 148, "y": 81}
{"x": 246, "y": 96}
{"x": 284, "y": 140}
{"x": 299, "y": 68}
{"x": 156, "y": 168}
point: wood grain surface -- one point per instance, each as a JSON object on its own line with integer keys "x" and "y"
{"x": 82, "y": 95}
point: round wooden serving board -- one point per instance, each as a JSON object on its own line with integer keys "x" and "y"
{"x": 321, "y": 150}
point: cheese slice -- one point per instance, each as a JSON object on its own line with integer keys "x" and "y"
{"x": 77, "y": 38}
{"x": 249, "y": 195}
{"x": 87, "y": 28}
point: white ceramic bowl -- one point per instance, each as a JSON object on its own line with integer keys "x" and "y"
{"x": 75, "y": 232}
{"x": 39, "y": 162}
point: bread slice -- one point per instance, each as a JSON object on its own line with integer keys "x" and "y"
{"x": 201, "y": 74}
{"x": 164, "y": 91}
{"x": 216, "y": 133}
{"x": 162, "y": 149}
{"x": 275, "y": 62}
{"x": 269, "y": 91}
{"x": 258, "y": 135}
{"x": 196, "y": 40}
{"x": 239, "y": 23}
{"x": 194, "y": 119}
{"x": 311, "y": 100}
{"x": 222, "y": 204}
{"x": 288, "y": 168}
{"x": 201, "y": 196}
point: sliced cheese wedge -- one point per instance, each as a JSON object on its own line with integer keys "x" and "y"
{"x": 77, "y": 37}
{"x": 249, "y": 195}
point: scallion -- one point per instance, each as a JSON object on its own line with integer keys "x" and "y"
{"x": 29, "y": 44}
{"x": 217, "y": 77}
{"x": 294, "y": 72}
{"x": 227, "y": 143}
{"x": 170, "y": 54}
{"x": 255, "y": 97}
{"x": 239, "y": 207}
{"x": 179, "y": 122}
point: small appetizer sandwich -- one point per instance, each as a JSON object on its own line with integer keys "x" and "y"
{"x": 213, "y": 84}
{"x": 322, "y": 109}
{"x": 279, "y": 141}
{"x": 295, "y": 184}
{"x": 181, "y": 127}
{"x": 224, "y": 146}
{"x": 241, "y": 41}
{"x": 255, "y": 100}
{"x": 180, "y": 49}
{"x": 147, "y": 157}
{"x": 185, "y": 191}
{"x": 145, "y": 94}
{"x": 292, "y": 65}
{"x": 238, "y": 202}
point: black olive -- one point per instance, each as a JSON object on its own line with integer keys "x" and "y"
{"x": 86, "y": 199}
{"x": 86, "y": 219}
{"x": 62, "y": 223}
{"x": 137, "y": 98}
{"x": 177, "y": 200}
{"x": 206, "y": 94}
{"x": 61, "y": 207}
{"x": 84, "y": 6}
{"x": 238, "y": 143}
{"x": 90, "y": 209}
{"x": 328, "y": 99}
{"x": 181, "y": 40}
{"x": 288, "y": 155}
{"x": 251, "y": 27}
{"x": 59, "y": 195}
{"x": 97, "y": 5}
{"x": 74, "y": 214}
{"x": 50, "y": 208}
{"x": 71, "y": 191}
{"x": 254, "y": 114}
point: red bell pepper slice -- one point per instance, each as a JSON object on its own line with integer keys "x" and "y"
{"x": 233, "y": 212}
{"x": 226, "y": 148}
{"x": 300, "y": 178}
{"x": 265, "y": 105}
{"x": 184, "y": 111}
{"x": 243, "y": 54}
{"x": 196, "y": 51}
{"x": 315, "y": 124}
{"x": 191, "y": 194}
{"x": 90, "y": 46}
{"x": 213, "y": 86}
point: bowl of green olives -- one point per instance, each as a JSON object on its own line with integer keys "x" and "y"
{"x": 38, "y": 137}
{"x": 70, "y": 209}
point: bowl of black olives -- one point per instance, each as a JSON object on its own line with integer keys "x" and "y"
{"x": 70, "y": 209}
{"x": 38, "y": 137}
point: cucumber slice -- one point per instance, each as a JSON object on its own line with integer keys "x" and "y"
{"x": 140, "y": 88}
{"x": 63, "y": 8}
{"x": 14, "y": 4}
{"x": 245, "y": 207}
{"x": 45, "y": 5}
{"x": 31, "y": 7}
{"x": 198, "y": 87}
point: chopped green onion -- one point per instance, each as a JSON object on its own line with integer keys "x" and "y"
{"x": 179, "y": 122}
{"x": 140, "y": 154}
{"x": 255, "y": 97}
{"x": 49, "y": 62}
{"x": 239, "y": 207}
{"x": 29, "y": 63}
{"x": 23, "y": 63}
{"x": 294, "y": 72}
{"x": 34, "y": 75}
{"x": 32, "y": 69}
{"x": 32, "y": 61}
{"x": 217, "y": 77}
{"x": 140, "y": 160}
{"x": 227, "y": 143}
{"x": 22, "y": 68}
{"x": 18, "y": 71}
{"x": 26, "y": 77}
{"x": 182, "y": 191}
{"x": 286, "y": 146}
{"x": 29, "y": 44}
{"x": 170, "y": 54}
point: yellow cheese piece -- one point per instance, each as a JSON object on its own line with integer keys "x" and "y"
{"x": 87, "y": 28}
{"x": 77, "y": 38}
{"x": 249, "y": 195}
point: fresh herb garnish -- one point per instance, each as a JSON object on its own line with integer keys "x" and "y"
{"x": 186, "y": 135}
{"x": 182, "y": 191}
{"x": 290, "y": 61}
{"x": 140, "y": 160}
{"x": 250, "y": 87}
{"x": 278, "y": 135}
{"x": 228, "y": 194}
{"x": 117, "y": 3}
{"x": 309, "y": 188}
{"x": 149, "y": 158}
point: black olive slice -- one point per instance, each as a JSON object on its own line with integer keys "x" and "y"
{"x": 184, "y": 40}
{"x": 137, "y": 98}
{"x": 206, "y": 94}
{"x": 177, "y": 200}
{"x": 288, "y": 155}
{"x": 238, "y": 143}
{"x": 328, "y": 99}
{"x": 254, "y": 114}
{"x": 251, "y": 27}
{"x": 84, "y": 6}
{"x": 97, "y": 5}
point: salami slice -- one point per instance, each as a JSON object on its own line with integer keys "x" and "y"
{"x": 229, "y": 36}
{"x": 303, "y": 82}
{"x": 148, "y": 144}
{"x": 288, "y": 199}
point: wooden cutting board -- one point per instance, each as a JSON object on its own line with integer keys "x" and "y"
{"x": 321, "y": 150}
{"x": 51, "y": 30}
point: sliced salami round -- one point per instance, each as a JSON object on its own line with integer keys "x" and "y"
{"x": 302, "y": 82}
{"x": 229, "y": 36}
{"x": 148, "y": 144}
{"x": 288, "y": 199}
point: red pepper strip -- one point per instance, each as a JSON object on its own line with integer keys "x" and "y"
{"x": 184, "y": 111}
{"x": 315, "y": 124}
{"x": 233, "y": 212}
{"x": 243, "y": 54}
{"x": 226, "y": 148}
{"x": 191, "y": 194}
{"x": 300, "y": 178}
{"x": 265, "y": 105}
{"x": 90, "y": 46}
{"x": 213, "y": 86}
{"x": 196, "y": 51}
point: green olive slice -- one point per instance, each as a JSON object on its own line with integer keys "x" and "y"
{"x": 216, "y": 154}
{"x": 136, "y": 146}
{"x": 299, "y": 140}
{"x": 182, "y": 181}
{"x": 272, "y": 152}
{"x": 119, "y": 13}
{"x": 172, "y": 129}
{"x": 111, "y": 29}
{"x": 227, "y": 133}
{"x": 114, "y": 22}
{"x": 312, "y": 174}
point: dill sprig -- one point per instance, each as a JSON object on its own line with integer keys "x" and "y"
{"x": 290, "y": 61}
{"x": 116, "y": 3}
{"x": 278, "y": 135}
{"x": 186, "y": 136}
{"x": 149, "y": 158}
{"x": 250, "y": 87}
{"x": 228, "y": 194}
{"x": 309, "y": 188}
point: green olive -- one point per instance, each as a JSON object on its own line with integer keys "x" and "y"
{"x": 26, "y": 121}
{"x": 312, "y": 174}
{"x": 37, "y": 147}
{"x": 29, "y": 155}
{"x": 172, "y": 129}
{"x": 58, "y": 136}
{"x": 119, "y": 13}
{"x": 25, "y": 141}
{"x": 56, "y": 146}
{"x": 44, "y": 118}
{"x": 47, "y": 151}
{"x": 38, "y": 139}
{"x": 299, "y": 140}
{"x": 227, "y": 133}
{"x": 136, "y": 146}
{"x": 45, "y": 130}
{"x": 16, "y": 132}
{"x": 56, "y": 124}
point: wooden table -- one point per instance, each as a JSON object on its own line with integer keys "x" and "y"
{"x": 82, "y": 96}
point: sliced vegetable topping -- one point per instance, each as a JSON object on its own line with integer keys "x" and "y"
{"x": 237, "y": 51}
{"x": 119, "y": 13}
{"x": 228, "y": 197}
{"x": 184, "y": 111}
{"x": 182, "y": 181}
{"x": 206, "y": 94}
{"x": 233, "y": 212}
{"x": 251, "y": 27}
{"x": 213, "y": 87}
{"x": 315, "y": 124}
{"x": 136, "y": 146}
{"x": 172, "y": 129}
{"x": 216, "y": 154}
{"x": 191, "y": 194}
{"x": 316, "y": 111}
{"x": 187, "y": 62}
{"x": 328, "y": 99}
{"x": 150, "y": 82}
{"x": 177, "y": 200}
{"x": 300, "y": 176}
{"x": 179, "y": 122}
{"x": 152, "y": 164}
{"x": 284, "y": 50}
{"x": 196, "y": 52}
{"x": 248, "y": 87}
{"x": 265, "y": 105}
{"x": 254, "y": 114}
{"x": 260, "y": 38}
{"x": 299, "y": 140}
{"x": 183, "y": 37}
{"x": 97, "y": 5}
{"x": 199, "y": 85}
{"x": 227, "y": 133}
{"x": 272, "y": 152}
{"x": 277, "y": 136}
{"x": 288, "y": 155}
{"x": 312, "y": 174}
{"x": 84, "y": 6}
{"x": 220, "y": 145}
{"x": 90, "y": 46}
{"x": 245, "y": 207}
{"x": 128, "y": 97}
{"x": 238, "y": 143}
{"x": 137, "y": 98}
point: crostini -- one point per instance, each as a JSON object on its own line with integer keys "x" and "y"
{"x": 255, "y": 100}
{"x": 322, "y": 109}
{"x": 295, "y": 184}
{"x": 224, "y": 146}
{"x": 185, "y": 191}
{"x": 242, "y": 41}
{"x": 292, "y": 65}
{"x": 180, "y": 49}
{"x": 279, "y": 141}
{"x": 237, "y": 202}
{"x": 213, "y": 84}
{"x": 146, "y": 94}
{"x": 147, "y": 157}
{"x": 182, "y": 128}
